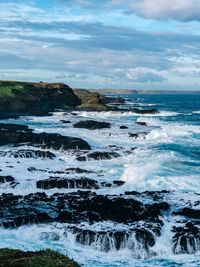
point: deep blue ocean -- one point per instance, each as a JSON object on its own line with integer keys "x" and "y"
{"x": 167, "y": 158}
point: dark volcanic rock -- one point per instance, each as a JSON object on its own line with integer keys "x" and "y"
{"x": 141, "y": 123}
{"x": 65, "y": 121}
{"x": 188, "y": 212}
{"x": 18, "y": 134}
{"x": 134, "y": 135}
{"x": 28, "y": 153}
{"x": 74, "y": 207}
{"x": 6, "y": 179}
{"x": 186, "y": 239}
{"x": 118, "y": 183}
{"x": 57, "y": 182}
{"x": 145, "y": 111}
{"x": 123, "y": 127}
{"x": 115, "y": 239}
{"x": 99, "y": 155}
{"x": 92, "y": 125}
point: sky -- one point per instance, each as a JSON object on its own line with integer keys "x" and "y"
{"x": 126, "y": 44}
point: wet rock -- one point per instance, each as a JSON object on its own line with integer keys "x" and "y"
{"x": 76, "y": 207}
{"x": 28, "y": 153}
{"x": 188, "y": 212}
{"x": 18, "y": 134}
{"x": 118, "y": 183}
{"x": 92, "y": 125}
{"x": 134, "y": 135}
{"x": 145, "y": 111}
{"x": 134, "y": 238}
{"x": 141, "y": 123}
{"x": 186, "y": 239}
{"x": 6, "y": 179}
{"x": 56, "y": 182}
{"x": 65, "y": 121}
{"x": 98, "y": 155}
{"x": 123, "y": 127}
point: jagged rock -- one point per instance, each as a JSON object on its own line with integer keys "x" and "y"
{"x": 90, "y": 101}
{"x": 141, "y": 123}
{"x": 65, "y": 121}
{"x": 75, "y": 207}
{"x": 123, "y": 127}
{"x": 145, "y": 111}
{"x": 186, "y": 239}
{"x": 134, "y": 135}
{"x": 188, "y": 212}
{"x": 14, "y": 134}
{"x": 118, "y": 183}
{"x": 57, "y": 182}
{"x": 134, "y": 238}
{"x": 28, "y": 153}
{"x": 92, "y": 125}
{"x": 98, "y": 155}
{"x": 6, "y": 179}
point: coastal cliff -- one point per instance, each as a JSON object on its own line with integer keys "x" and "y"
{"x": 26, "y": 98}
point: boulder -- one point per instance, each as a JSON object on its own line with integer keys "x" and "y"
{"x": 145, "y": 111}
{"x": 141, "y": 123}
{"x": 92, "y": 125}
{"x": 6, "y": 179}
{"x": 65, "y": 121}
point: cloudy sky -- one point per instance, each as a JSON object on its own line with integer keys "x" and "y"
{"x": 135, "y": 44}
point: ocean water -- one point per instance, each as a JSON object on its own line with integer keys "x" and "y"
{"x": 167, "y": 157}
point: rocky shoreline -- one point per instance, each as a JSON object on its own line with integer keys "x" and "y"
{"x": 140, "y": 216}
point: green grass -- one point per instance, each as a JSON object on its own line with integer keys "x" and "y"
{"x": 7, "y": 88}
{"x": 47, "y": 258}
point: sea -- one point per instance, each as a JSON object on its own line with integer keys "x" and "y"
{"x": 166, "y": 157}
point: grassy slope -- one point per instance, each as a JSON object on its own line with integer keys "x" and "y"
{"x": 47, "y": 258}
{"x": 6, "y": 88}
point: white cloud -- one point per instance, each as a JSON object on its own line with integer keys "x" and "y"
{"x": 184, "y": 10}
